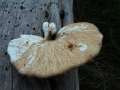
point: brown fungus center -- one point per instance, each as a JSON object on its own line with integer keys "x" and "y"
{"x": 51, "y": 36}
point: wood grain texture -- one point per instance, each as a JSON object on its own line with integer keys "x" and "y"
{"x": 70, "y": 80}
{"x": 26, "y": 17}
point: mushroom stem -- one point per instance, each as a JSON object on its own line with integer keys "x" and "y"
{"x": 49, "y": 37}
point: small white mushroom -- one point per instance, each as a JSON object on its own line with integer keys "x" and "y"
{"x": 45, "y": 29}
{"x": 53, "y": 27}
{"x": 49, "y": 29}
{"x": 44, "y": 58}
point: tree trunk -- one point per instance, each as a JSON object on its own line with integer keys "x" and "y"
{"x": 26, "y": 17}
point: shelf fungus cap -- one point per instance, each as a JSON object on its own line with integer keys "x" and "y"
{"x": 74, "y": 45}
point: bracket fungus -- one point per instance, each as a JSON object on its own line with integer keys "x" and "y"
{"x": 56, "y": 52}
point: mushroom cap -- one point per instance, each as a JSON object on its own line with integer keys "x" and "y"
{"x": 75, "y": 45}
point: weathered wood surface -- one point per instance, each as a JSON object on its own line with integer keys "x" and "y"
{"x": 26, "y": 17}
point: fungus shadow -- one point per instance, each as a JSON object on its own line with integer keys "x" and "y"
{"x": 24, "y": 82}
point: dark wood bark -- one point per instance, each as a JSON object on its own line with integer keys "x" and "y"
{"x": 26, "y": 16}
